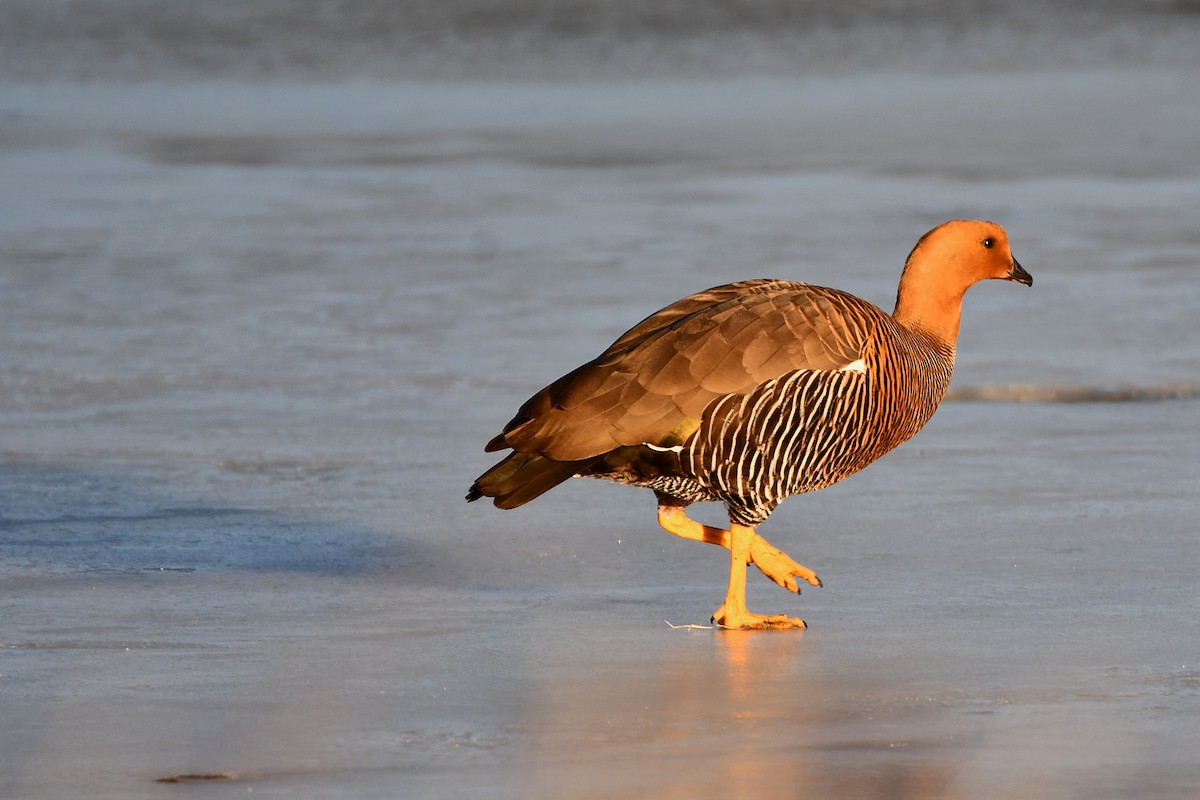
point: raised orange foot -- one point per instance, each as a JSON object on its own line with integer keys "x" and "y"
{"x": 780, "y": 567}
{"x": 773, "y": 562}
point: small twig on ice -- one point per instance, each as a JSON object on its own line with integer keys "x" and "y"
{"x": 688, "y": 627}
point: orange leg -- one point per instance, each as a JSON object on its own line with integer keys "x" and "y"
{"x": 733, "y": 613}
{"x": 774, "y": 563}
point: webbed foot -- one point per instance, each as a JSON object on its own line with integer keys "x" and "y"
{"x": 743, "y": 620}
{"x": 779, "y": 566}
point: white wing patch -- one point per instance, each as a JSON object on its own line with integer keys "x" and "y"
{"x": 676, "y": 449}
{"x": 859, "y": 366}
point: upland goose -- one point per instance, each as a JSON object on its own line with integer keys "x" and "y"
{"x": 752, "y": 392}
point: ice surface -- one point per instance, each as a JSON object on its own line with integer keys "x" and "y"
{"x": 253, "y": 336}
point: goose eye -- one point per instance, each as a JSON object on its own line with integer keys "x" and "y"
{"x": 988, "y": 242}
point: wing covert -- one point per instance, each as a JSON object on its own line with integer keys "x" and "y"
{"x": 652, "y": 385}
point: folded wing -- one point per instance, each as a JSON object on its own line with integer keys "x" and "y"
{"x": 652, "y": 385}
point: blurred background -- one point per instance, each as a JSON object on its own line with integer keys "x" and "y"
{"x": 577, "y": 39}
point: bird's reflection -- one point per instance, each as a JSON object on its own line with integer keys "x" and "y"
{"x": 712, "y": 713}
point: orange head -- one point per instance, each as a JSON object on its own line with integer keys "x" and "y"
{"x": 946, "y": 262}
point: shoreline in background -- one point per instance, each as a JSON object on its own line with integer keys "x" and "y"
{"x": 583, "y": 40}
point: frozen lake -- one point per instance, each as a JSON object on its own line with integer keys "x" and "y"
{"x": 255, "y": 334}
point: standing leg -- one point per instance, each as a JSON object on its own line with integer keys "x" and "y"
{"x": 733, "y": 613}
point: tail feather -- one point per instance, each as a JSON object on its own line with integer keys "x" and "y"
{"x": 521, "y": 477}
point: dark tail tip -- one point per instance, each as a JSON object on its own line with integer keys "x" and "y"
{"x": 521, "y": 477}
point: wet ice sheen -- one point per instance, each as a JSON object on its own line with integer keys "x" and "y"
{"x": 255, "y": 335}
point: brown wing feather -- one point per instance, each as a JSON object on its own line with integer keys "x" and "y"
{"x": 653, "y": 383}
